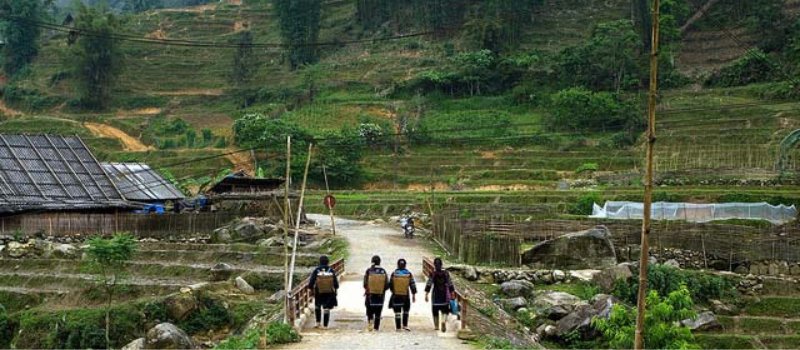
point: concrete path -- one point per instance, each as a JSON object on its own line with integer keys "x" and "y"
{"x": 349, "y": 319}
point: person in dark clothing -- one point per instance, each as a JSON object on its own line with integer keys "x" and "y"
{"x": 443, "y": 291}
{"x": 375, "y": 285}
{"x": 401, "y": 283}
{"x": 324, "y": 283}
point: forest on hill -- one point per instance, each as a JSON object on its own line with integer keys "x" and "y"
{"x": 373, "y": 81}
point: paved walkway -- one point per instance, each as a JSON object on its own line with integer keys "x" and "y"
{"x": 348, "y": 320}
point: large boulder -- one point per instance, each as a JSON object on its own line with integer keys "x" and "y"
{"x": 470, "y": 273}
{"x": 581, "y": 319}
{"x": 705, "y": 321}
{"x": 248, "y": 230}
{"x": 180, "y": 306}
{"x": 608, "y": 277}
{"x": 516, "y": 288}
{"x": 514, "y": 303}
{"x": 555, "y": 305}
{"x": 221, "y": 272}
{"x": 167, "y": 336}
{"x": 18, "y": 250}
{"x": 221, "y": 235}
{"x": 243, "y": 286}
{"x": 64, "y": 251}
{"x": 590, "y": 249}
{"x": 137, "y": 344}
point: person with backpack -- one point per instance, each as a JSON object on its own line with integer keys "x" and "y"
{"x": 402, "y": 284}
{"x": 324, "y": 283}
{"x": 443, "y": 291}
{"x": 375, "y": 285}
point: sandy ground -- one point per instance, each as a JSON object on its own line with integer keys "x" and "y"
{"x": 129, "y": 142}
{"x": 348, "y": 320}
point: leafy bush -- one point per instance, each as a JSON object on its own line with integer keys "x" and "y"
{"x": 248, "y": 340}
{"x": 584, "y": 204}
{"x": 213, "y": 314}
{"x": 754, "y": 67}
{"x": 662, "y": 317}
{"x": 28, "y": 99}
{"x": 578, "y": 109}
{"x": 585, "y": 167}
{"x": 666, "y": 279}
{"x": 6, "y": 330}
{"x": 281, "y": 333}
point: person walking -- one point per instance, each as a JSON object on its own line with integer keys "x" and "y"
{"x": 402, "y": 284}
{"x": 324, "y": 283}
{"x": 375, "y": 286}
{"x": 443, "y": 291}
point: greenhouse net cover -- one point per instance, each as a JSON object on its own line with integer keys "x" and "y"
{"x": 694, "y": 212}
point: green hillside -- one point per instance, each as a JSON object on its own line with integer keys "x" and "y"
{"x": 495, "y": 139}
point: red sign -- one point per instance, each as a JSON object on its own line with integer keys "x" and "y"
{"x": 329, "y": 201}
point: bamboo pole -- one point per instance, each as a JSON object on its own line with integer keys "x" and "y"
{"x": 648, "y": 183}
{"x": 286, "y": 228}
{"x": 328, "y": 192}
{"x": 297, "y": 219}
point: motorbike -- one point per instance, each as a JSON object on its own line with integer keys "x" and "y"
{"x": 408, "y": 228}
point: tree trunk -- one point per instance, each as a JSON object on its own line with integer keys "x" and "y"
{"x": 698, "y": 15}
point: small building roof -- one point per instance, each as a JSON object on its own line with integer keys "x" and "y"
{"x": 240, "y": 182}
{"x": 138, "y": 182}
{"x": 51, "y": 172}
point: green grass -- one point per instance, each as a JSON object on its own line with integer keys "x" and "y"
{"x": 781, "y": 342}
{"x": 724, "y": 341}
{"x": 759, "y": 326}
{"x": 774, "y": 306}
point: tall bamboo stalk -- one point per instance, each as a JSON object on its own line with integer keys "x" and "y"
{"x": 286, "y": 228}
{"x": 648, "y": 180}
{"x": 299, "y": 216}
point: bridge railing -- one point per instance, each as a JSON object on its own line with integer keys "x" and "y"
{"x": 463, "y": 303}
{"x": 302, "y": 297}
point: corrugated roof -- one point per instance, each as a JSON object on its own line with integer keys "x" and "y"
{"x": 51, "y": 172}
{"x": 138, "y": 182}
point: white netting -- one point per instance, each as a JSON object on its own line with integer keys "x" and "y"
{"x": 694, "y": 212}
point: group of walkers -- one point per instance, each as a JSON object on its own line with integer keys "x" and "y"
{"x": 377, "y": 282}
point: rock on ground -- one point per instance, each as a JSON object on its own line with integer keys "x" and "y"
{"x": 514, "y": 303}
{"x": 555, "y": 305}
{"x": 243, "y": 286}
{"x": 180, "y": 306}
{"x": 137, "y": 344}
{"x": 167, "y": 336}
{"x": 590, "y": 249}
{"x": 470, "y": 273}
{"x": 517, "y": 288}
{"x": 221, "y": 272}
{"x": 581, "y": 319}
{"x": 608, "y": 277}
{"x": 705, "y": 321}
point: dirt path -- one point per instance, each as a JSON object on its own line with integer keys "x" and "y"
{"x": 129, "y": 142}
{"x": 348, "y": 320}
{"x": 8, "y": 111}
{"x": 240, "y": 160}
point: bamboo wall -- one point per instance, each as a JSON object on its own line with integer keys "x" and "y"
{"x": 496, "y": 239}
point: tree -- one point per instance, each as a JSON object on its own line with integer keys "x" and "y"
{"x": 609, "y": 60}
{"x": 243, "y": 59}
{"x": 311, "y": 75}
{"x": 578, "y": 109}
{"x": 371, "y": 14}
{"x": 108, "y": 258}
{"x": 474, "y": 67}
{"x": 299, "y": 24}
{"x": 20, "y": 33}
{"x": 661, "y": 325}
{"x": 96, "y": 59}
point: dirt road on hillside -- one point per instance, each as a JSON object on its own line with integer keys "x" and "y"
{"x": 348, "y": 320}
{"x": 129, "y": 142}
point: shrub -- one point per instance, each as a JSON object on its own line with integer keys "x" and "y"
{"x": 578, "y": 109}
{"x": 753, "y": 67}
{"x": 584, "y": 204}
{"x": 662, "y": 317}
{"x": 281, "y": 333}
{"x": 213, "y": 314}
{"x": 586, "y": 167}
{"x": 6, "y": 331}
{"x": 666, "y": 279}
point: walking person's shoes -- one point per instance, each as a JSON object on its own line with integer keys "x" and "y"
{"x": 406, "y": 329}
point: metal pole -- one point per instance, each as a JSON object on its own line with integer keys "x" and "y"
{"x": 328, "y": 192}
{"x": 299, "y": 215}
{"x": 286, "y": 228}
{"x": 638, "y": 343}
